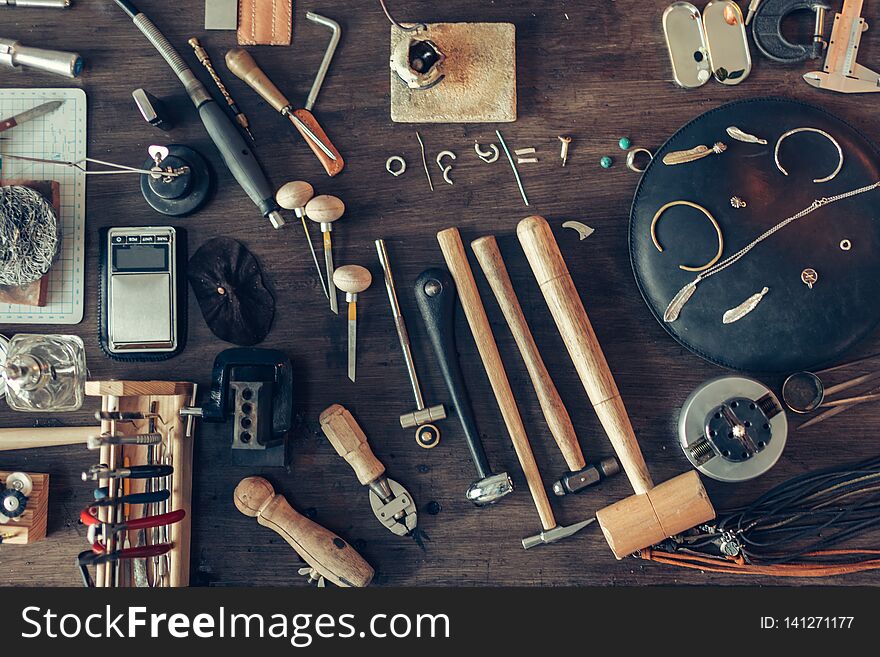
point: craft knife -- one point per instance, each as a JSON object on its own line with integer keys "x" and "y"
{"x": 30, "y": 115}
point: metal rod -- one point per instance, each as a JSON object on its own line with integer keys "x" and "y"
{"x": 328, "y": 55}
{"x": 513, "y": 166}
{"x": 400, "y": 324}
{"x": 307, "y": 131}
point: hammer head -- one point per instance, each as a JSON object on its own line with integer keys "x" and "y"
{"x": 575, "y": 482}
{"x": 556, "y": 534}
{"x": 491, "y": 489}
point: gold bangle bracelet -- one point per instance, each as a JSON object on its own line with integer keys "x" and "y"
{"x": 705, "y": 212}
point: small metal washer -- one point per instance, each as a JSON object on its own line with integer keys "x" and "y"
{"x": 845, "y": 245}
{"x": 395, "y": 172}
{"x": 631, "y": 159}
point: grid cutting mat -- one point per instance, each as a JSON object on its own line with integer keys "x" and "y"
{"x": 59, "y": 135}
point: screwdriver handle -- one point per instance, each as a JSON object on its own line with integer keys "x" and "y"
{"x": 324, "y": 551}
{"x": 349, "y": 441}
{"x": 244, "y": 67}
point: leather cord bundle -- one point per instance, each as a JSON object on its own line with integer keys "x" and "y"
{"x": 794, "y": 530}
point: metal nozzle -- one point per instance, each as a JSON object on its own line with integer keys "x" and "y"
{"x": 275, "y": 219}
{"x": 14, "y": 55}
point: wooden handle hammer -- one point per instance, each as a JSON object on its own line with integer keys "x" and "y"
{"x": 653, "y": 513}
{"x": 475, "y": 313}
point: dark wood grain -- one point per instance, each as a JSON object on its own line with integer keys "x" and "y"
{"x": 594, "y": 70}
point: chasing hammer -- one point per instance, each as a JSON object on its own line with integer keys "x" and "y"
{"x": 654, "y": 513}
{"x": 580, "y": 475}
{"x": 456, "y": 259}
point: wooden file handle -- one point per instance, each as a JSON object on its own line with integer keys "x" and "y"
{"x": 457, "y": 263}
{"x": 349, "y": 441}
{"x": 44, "y": 437}
{"x": 577, "y": 333}
{"x": 323, "y": 550}
{"x": 490, "y": 259}
{"x": 246, "y": 69}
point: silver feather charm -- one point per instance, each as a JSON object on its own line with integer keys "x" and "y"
{"x": 740, "y": 135}
{"x": 673, "y": 310}
{"x": 743, "y": 309}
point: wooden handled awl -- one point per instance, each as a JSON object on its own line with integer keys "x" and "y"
{"x": 243, "y": 66}
{"x": 328, "y": 556}
{"x": 392, "y": 504}
{"x": 456, "y": 260}
{"x": 653, "y": 513}
{"x": 325, "y": 210}
{"x": 32, "y": 437}
{"x": 352, "y": 279}
{"x": 580, "y": 475}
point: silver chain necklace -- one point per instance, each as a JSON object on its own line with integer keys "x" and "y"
{"x": 679, "y": 300}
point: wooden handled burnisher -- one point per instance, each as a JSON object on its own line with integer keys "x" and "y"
{"x": 653, "y": 514}
{"x": 328, "y": 555}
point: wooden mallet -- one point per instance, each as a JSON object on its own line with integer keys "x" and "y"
{"x": 654, "y": 513}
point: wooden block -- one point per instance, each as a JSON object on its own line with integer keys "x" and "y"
{"x": 137, "y": 388}
{"x": 35, "y": 293}
{"x": 30, "y": 527}
{"x": 480, "y": 76}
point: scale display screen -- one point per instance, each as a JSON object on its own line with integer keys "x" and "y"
{"x": 140, "y": 257}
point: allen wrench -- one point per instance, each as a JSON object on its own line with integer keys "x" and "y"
{"x": 336, "y": 31}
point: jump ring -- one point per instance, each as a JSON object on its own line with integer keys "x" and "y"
{"x": 393, "y": 159}
{"x": 631, "y": 159}
{"x": 705, "y": 212}
{"x": 817, "y": 131}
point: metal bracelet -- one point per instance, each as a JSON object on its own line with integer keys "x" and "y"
{"x": 817, "y": 131}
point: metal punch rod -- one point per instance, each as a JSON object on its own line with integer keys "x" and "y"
{"x": 400, "y": 325}
{"x": 328, "y": 55}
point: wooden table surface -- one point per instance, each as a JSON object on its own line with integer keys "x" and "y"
{"x": 594, "y": 70}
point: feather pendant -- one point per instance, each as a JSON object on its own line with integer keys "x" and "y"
{"x": 680, "y": 157}
{"x": 743, "y": 309}
{"x": 673, "y": 310}
{"x": 740, "y": 135}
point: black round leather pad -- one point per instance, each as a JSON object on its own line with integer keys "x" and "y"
{"x": 794, "y": 327}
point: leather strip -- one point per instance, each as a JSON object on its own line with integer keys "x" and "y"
{"x": 265, "y": 22}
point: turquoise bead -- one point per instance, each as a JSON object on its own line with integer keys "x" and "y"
{"x": 606, "y": 162}
{"x": 624, "y": 143}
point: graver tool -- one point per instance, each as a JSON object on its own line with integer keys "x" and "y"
{"x": 324, "y": 210}
{"x": 392, "y": 504}
{"x": 294, "y": 196}
{"x": 352, "y": 279}
{"x": 243, "y": 66}
{"x": 427, "y": 434}
{"x": 456, "y": 260}
{"x": 580, "y": 475}
{"x": 327, "y": 555}
{"x": 435, "y": 295}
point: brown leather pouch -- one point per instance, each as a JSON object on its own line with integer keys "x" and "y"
{"x": 265, "y": 22}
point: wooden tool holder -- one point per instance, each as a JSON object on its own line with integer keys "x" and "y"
{"x": 30, "y": 526}
{"x": 165, "y": 399}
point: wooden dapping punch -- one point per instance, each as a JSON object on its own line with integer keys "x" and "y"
{"x": 328, "y": 556}
{"x": 580, "y": 476}
{"x": 654, "y": 513}
{"x": 457, "y": 262}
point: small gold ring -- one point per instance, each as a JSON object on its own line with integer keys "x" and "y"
{"x": 705, "y": 212}
{"x": 631, "y": 159}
